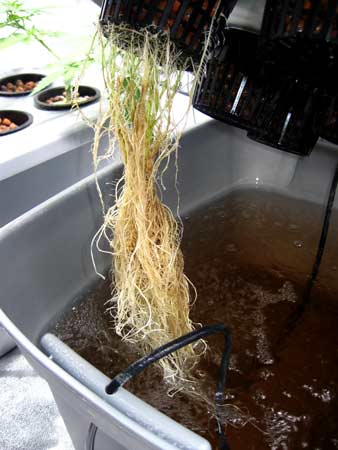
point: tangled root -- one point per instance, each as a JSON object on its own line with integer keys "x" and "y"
{"x": 151, "y": 294}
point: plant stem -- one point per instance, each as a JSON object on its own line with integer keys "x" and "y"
{"x": 38, "y": 39}
{"x": 45, "y": 46}
{"x": 68, "y": 91}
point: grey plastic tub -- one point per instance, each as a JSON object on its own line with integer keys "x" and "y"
{"x": 42, "y": 160}
{"x": 46, "y": 264}
{"x": 54, "y": 155}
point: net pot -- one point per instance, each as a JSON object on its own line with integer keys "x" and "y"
{"x": 21, "y": 84}
{"x": 309, "y": 19}
{"x": 297, "y": 36}
{"x": 301, "y": 58}
{"x": 290, "y": 117}
{"x": 329, "y": 129}
{"x": 331, "y": 75}
{"x": 186, "y": 20}
{"x": 231, "y": 89}
{"x": 21, "y": 119}
{"x": 43, "y": 99}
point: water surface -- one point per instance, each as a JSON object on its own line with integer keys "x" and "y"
{"x": 249, "y": 255}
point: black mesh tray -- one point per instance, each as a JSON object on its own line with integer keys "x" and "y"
{"x": 187, "y": 20}
{"x": 231, "y": 90}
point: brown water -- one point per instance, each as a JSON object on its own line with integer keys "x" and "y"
{"x": 248, "y": 255}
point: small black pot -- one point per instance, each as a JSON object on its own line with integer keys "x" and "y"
{"x": 25, "y": 77}
{"x": 20, "y": 118}
{"x": 40, "y": 99}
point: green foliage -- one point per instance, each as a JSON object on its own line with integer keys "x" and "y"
{"x": 69, "y": 71}
{"x": 19, "y": 20}
{"x": 12, "y": 39}
{"x": 17, "y": 15}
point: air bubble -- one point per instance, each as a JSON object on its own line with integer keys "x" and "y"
{"x": 231, "y": 248}
{"x": 259, "y": 395}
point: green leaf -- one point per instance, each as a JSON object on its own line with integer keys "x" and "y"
{"x": 46, "y": 81}
{"x": 14, "y": 38}
{"x": 20, "y": 18}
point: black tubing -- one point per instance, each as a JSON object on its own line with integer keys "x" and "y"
{"x": 316, "y": 265}
{"x": 325, "y": 229}
{"x": 172, "y": 346}
{"x": 91, "y": 435}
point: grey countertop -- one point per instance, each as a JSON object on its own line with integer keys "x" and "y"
{"x": 29, "y": 418}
